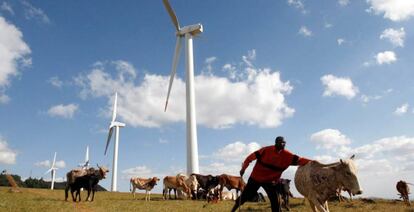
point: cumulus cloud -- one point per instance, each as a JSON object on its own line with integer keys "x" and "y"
{"x": 366, "y": 98}
{"x": 32, "y": 12}
{"x": 305, "y": 31}
{"x": 329, "y": 139}
{"x": 64, "y": 111}
{"x": 236, "y": 151}
{"x": 339, "y": 86}
{"x": 208, "y": 65}
{"x": 395, "y": 36}
{"x": 386, "y": 57}
{"x": 7, "y": 155}
{"x": 395, "y": 10}
{"x": 401, "y": 110}
{"x": 55, "y": 81}
{"x": 343, "y": 2}
{"x": 257, "y": 99}
{"x": 6, "y": 7}
{"x": 14, "y": 55}
{"x": 138, "y": 171}
{"x": 298, "y": 4}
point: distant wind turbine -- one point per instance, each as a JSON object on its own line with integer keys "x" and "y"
{"x": 186, "y": 32}
{"x": 85, "y": 165}
{"x": 114, "y": 125}
{"x": 52, "y": 170}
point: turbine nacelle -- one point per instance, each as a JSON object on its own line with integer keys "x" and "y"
{"x": 116, "y": 124}
{"x": 192, "y": 29}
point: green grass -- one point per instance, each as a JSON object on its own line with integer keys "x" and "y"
{"x": 46, "y": 200}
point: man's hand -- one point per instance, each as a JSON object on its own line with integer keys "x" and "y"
{"x": 241, "y": 172}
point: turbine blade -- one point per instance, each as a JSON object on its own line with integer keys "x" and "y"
{"x": 54, "y": 161}
{"x": 48, "y": 170}
{"x": 109, "y": 139}
{"x": 172, "y": 14}
{"x": 173, "y": 68}
{"x": 115, "y": 107}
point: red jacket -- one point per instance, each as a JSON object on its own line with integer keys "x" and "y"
{"x": 271, "y": 163}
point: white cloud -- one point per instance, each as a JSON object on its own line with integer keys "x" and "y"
{"x": 298, "y": 4}
{"x": 305, "y": 31}
{"x": 366, "y": 99}
{"x": 329, "y": 139}
{"x": 64, "y": 111}
{"x": 401, "y": 110}
{"x": 47, "y": 164}
{"x": 55, "y": 81}
{"x": 258, "y": 99}
{"x": 328, "y": 25}
{"x": 340, "y": 41}
{"x": 236, "y": 151}
{"x": 208, "y": 64}
{"x": 386, "y": 57}
{"x": 7, "y": 155}
{"x": 218, "y": 168}
{"x": 138, "y": 171}
{"x": 32, "y": 12}
{"x": 395, "y": 10}
{"x": 338, "y": 86}
{"x": 395, "y": 36}
{"x": 7, "y": 7}
{"x": 250, "y": 57}
{"x": 14, "y": 55}
{"x": 343, "y": 2}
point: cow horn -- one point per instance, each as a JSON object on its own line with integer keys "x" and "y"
{"x": 340, "y": 160}
{"x": 352, "y": 157}
{"x": 98, "y": 165}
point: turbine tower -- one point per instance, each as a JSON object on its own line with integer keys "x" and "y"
{"x": 52, "y": 170}
{"x": 114, "y": 125}
{"x": 187, "y": 32}
{"x": 85, "y": 165}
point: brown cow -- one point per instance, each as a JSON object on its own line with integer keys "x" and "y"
{"x": 317, "y": 182}
{"x": 175, "y": 182}
{"x": 143, "y": 184}
{"x": 404, "y": 190}
{"x": 231, "y": 182}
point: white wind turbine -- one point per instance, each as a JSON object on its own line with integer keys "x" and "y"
{"x": 53, "y": 172}
{"x": 85, "y": 165}
{"x": 187, "y": 32}
{"x": 116, "y": 125}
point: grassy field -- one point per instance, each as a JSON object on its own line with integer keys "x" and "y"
{"x": 47, "y": 200}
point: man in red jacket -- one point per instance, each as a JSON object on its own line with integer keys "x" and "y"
{"x": 271, "y": 162}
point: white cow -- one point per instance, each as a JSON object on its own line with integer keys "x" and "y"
{"x": 317, "y": 182}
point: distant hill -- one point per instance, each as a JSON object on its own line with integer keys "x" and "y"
{"x": 36, "y": 183}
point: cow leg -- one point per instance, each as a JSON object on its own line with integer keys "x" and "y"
{"x": 175, "y": 193}
{"x": 319, "y": 207}
{"x": 312, "y": 206}
{"x": 326, "y": 206}
{"x": 133, "y": 191}
{"x": 66, "y": 192}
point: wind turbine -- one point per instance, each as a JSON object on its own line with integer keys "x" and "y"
{"x": 116, "y": 125}
{"x": 187, "y": 32}
{"x": 53, "y": 172}
{"x": 85, "y": 165}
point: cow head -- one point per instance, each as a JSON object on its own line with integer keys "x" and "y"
{"x": 155, "y": 179}
{"x": 102, "y": 171}
{"x": 346, "y": 173}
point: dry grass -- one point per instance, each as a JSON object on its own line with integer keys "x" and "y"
{"x": 47, "y": 200}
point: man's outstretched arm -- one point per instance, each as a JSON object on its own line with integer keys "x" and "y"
{"x": 247, "y": 161}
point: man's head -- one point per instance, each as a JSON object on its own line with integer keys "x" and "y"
{"x": 280, "y": 143}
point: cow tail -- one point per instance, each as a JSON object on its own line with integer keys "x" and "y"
{"x": 130, "y": 184}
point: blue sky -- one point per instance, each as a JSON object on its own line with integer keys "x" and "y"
{"x": 334, "y": 77}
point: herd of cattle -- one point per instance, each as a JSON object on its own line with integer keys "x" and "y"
{"x": 315, "y": 181}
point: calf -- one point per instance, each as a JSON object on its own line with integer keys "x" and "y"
{"x": 231, "y": 182}
{"x": 283, "y": 189}
{"x": 404, "y": 190}
{"x": 143, "y": 184}
{"x": 174, "y": 182}
{"x": 205, "y": 182}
